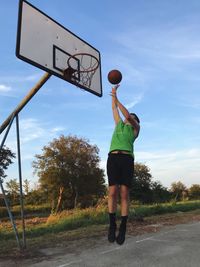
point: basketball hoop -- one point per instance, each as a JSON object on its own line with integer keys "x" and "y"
{"x": 81, "y": 68}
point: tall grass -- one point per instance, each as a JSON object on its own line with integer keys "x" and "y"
{"x": 172, "y": 207}
{"x": 74, "y": 219}
{"x": 29, "y": 209}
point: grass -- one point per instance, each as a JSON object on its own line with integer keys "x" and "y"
{"x": 63, "y": 221}
{"x": 149, "y": 210}
{"x": 77, "y": 220}
{"x": 29, "y": 209}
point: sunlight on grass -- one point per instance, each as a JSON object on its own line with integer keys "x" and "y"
{"x": 79, "y": 218}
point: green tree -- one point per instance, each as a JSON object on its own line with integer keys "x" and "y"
{"x": 13, "y": 190}
{"x": 69, "y": 172}
{"x": 145, "y": 190}
{"x": 36, "y": 197}
{"x": 141, "y": 186}
{"x": 178, "y": 190}
{"x": 194, "y": 192}
{"x": 6, "y": 156}
{"x": 26, "y": 186}
{"x": 160, "y": 193}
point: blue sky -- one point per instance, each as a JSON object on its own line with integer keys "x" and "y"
{"x": 155, "y": 44}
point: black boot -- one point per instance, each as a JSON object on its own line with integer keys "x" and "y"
{"x": 122, "y": 230}
{"x": 112, "y": 227}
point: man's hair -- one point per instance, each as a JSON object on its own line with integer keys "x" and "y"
{"x": 136, "y": 117}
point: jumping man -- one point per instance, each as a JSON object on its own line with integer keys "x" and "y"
{"x": 120, "y": 165}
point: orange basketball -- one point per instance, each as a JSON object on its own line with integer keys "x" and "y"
{"x": 114, "y": 76}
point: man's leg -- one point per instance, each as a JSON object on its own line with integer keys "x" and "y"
{"x": 112, "y": 207}
{"x": 124, "y": 194}
{"x": 112, "y": 198}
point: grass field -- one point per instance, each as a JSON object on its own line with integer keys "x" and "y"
{"x": 75, "y": 223}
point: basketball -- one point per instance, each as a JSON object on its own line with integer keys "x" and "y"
{"x": 114, "y": 76}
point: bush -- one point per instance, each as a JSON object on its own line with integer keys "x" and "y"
{"x": 3, "y": 212}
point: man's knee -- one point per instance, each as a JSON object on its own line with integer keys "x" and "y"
{"x": 113, "y": 192}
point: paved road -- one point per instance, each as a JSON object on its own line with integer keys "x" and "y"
{"x": 172, "y": 246}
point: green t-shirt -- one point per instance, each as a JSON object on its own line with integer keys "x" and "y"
{"x": 123, "y": 137}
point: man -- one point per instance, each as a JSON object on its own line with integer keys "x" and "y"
{"x": 120, "y": 165}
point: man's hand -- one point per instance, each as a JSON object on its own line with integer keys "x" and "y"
{"x": 114, "y": 90}
{"x": 113, "y": 93}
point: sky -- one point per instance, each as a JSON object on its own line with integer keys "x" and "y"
{"x": 156, "y": 46}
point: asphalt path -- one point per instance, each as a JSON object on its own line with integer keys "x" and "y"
{"x": 172, "y": 246}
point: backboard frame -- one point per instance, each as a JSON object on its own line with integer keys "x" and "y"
{"x": 55, "y": 48}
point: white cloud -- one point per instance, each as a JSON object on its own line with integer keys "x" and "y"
{"x": 33, "y": 133}
{"x": 20, "y": 78}
{"x": 4, "y": 88}
{"x": 190, "y": 102}
{"x": 190, "y": 55}
{"x": 170, "y": 47}
{"x": 12, "y": 90}
{"x": 171, "y": 166}
{"x": 137, "y": 100}
{"x": 31, "y": 129}
{"x": 57, "y": 129}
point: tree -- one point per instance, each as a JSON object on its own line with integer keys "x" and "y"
{"x": 160, "y": 193}
{"x": 141, "y": 186}
{"x": 145, "y": 190}
{"x": 6, "y": 156}
{"x": 178, "y": 190}
{"x": 194, "y": 191}
{"x": 2, "y": 202}
{"x": 36, "y": 197}
{"x": 13, "y": 190}
{"x": 26, "y": 186}
{"x": 69, "y": 172}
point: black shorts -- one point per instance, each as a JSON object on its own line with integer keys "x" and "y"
{"x": 120, "y": 169}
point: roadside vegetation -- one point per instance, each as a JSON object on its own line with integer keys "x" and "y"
{"x": 80, "y": 218}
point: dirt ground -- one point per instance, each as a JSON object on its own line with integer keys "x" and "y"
{"x": 76, "y": 240}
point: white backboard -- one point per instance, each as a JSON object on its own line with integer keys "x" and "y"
{"x": 44, "y": 43}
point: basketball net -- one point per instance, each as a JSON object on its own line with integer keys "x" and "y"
{"x": 83, "y": 74}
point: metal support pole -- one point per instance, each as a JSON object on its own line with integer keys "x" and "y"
{"x": 10, "y": 214}
{"x": 26, "y": 99}
{"x": 8, "y": 122}
{"x": 2, "y": 188}
{"x": 7, "y": 131}
{"x": 20, "y": 182}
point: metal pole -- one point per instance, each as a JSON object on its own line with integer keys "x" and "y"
{"x": 8, "y": 122}
{"x": 2, "y": 189}
{"x": 26, "y": 99}
{"x": 20, "y": 182}
{"x": 7, "y": 131}
{"x": 10, "y": 214}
